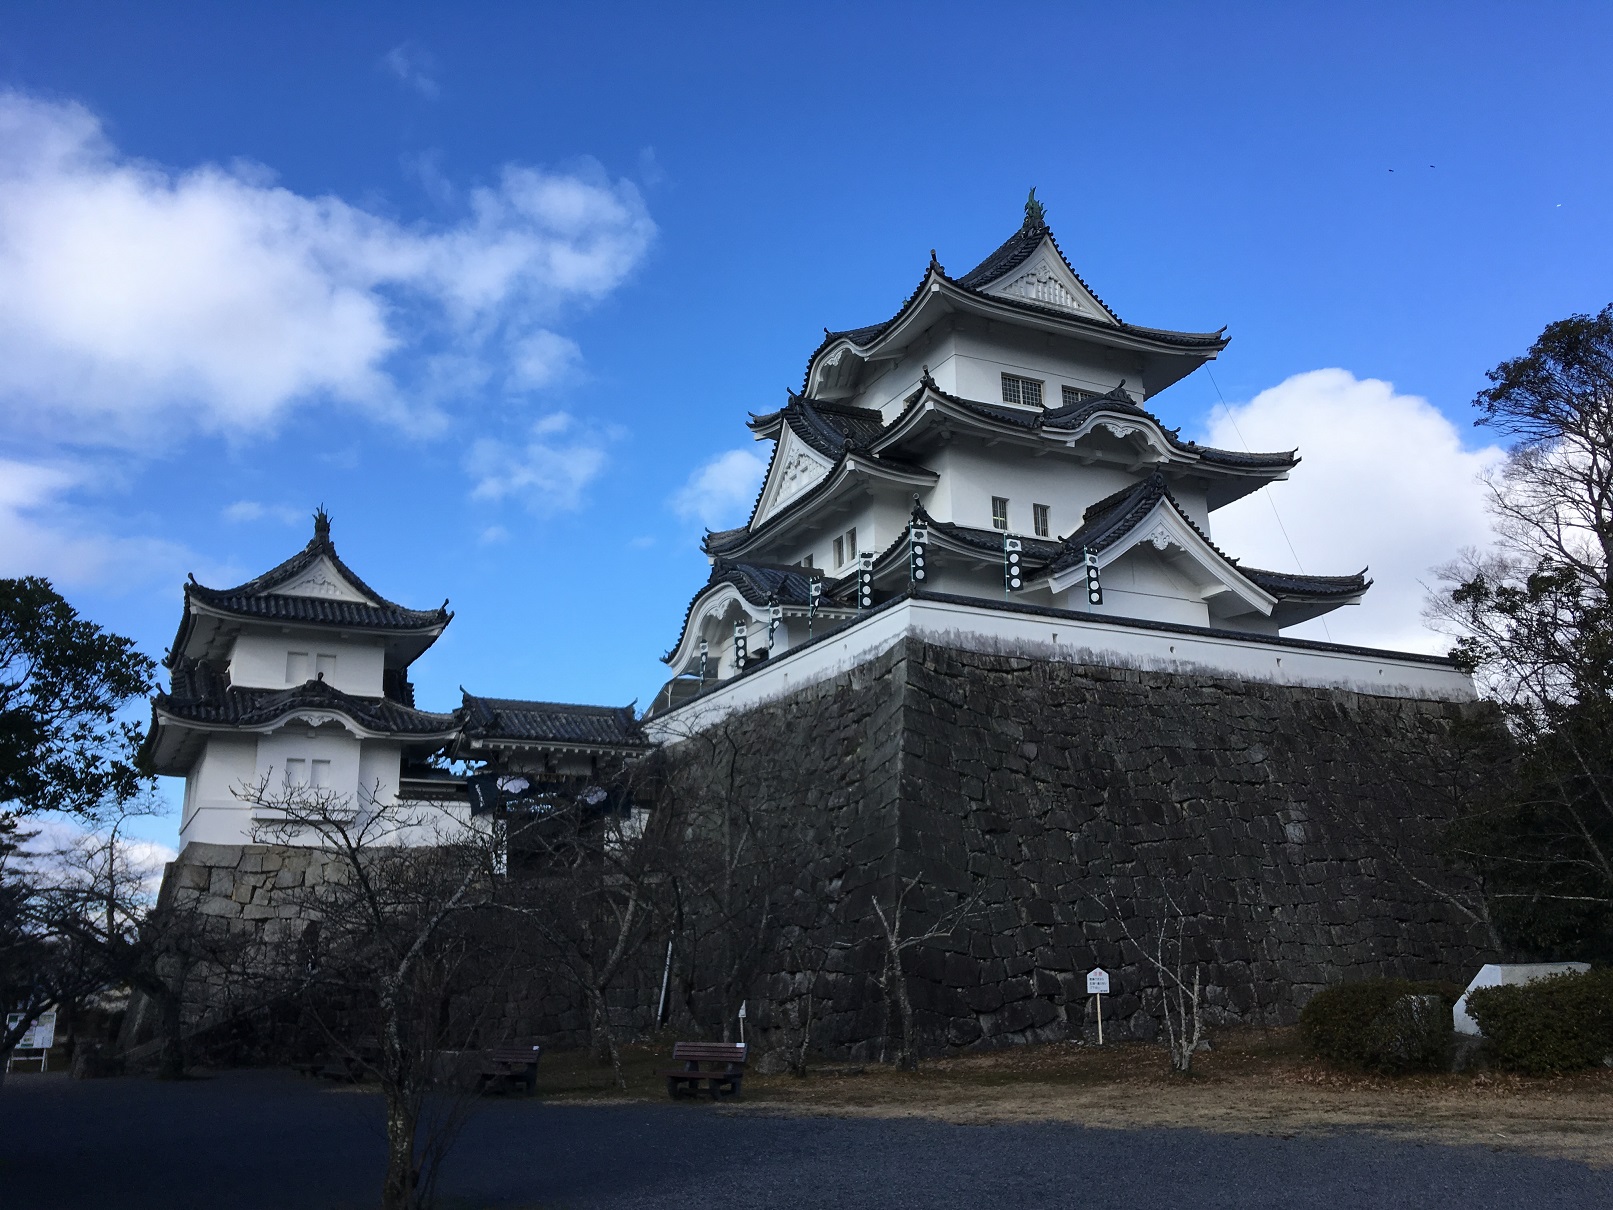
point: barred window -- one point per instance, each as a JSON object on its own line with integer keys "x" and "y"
{"x": 1074, "y": 395}
{"x": 1022, "y": 390}
{"x": 1039, "y": 519}
{"x": 846, "y": 547}
{"x": 999, "y": 512}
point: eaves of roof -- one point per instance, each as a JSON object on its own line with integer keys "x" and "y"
{"x": 760, "y": 584}
{"x": 1109, "y": 520}
{"x": 516, "y": 719}
{"x": 1071, "y": 417}
{"x": 849, "y": 461}
{"x": 258, "y": 599}
{"x": 200, "y": 694}
{"x": 1003, "y": 261}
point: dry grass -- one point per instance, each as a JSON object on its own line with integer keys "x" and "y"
{"x": 1254, "y": 1082}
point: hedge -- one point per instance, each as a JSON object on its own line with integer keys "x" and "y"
{"x": 1387, "y": 1025}
{"x": 1560, "y": 1023}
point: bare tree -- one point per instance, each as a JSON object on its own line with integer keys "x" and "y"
{"x": 1180, "y": 1001}
{"x": 748, "y": 885}
{"x": 895, "y": 941}
{"x": 589, "y": 876}
{"x": 397, "y": 929}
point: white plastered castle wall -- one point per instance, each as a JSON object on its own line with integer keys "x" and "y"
{"x": 262, "y": 661}
{"x": 1073, "y": 639}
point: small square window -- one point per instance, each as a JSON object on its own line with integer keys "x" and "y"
{"x": 1027, "y": 391}
{"x": 1039, "y": 520}
{"x": 324, "y": 666}
{"x": 807, "y": 561}
{"x": 319, "y": 774}
{"x": 851, "y": 543}
{"x": 1075, "y": 395}
{"x": 296, "y": 667}
{"x": 999, "y": 512}
{"x": 296, "y": 772}
{"x": 840, "y": 552}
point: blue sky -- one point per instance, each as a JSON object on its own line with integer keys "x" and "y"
{"x": 492, "y": 282}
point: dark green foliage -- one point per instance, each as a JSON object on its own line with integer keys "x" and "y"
{"x": 1534, "y": 620}
{"x": 62, "y": 682}
{"x": 1385, "y": 1025}
{"x": 1562, "y": 1023}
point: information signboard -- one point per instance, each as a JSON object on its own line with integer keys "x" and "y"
{"x": 1097, "y": 982}
{"x": 40, "y": 1036}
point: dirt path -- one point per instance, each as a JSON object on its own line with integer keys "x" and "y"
{"x": 1254, "y": 1082}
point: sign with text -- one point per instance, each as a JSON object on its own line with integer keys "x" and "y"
{"x": 1097, "y": 982}
{"x": 41, "y": 1035}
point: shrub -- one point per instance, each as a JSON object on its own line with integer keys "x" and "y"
{"x": 1387, "y": 1025}
{"x": 1556, "y": 1024}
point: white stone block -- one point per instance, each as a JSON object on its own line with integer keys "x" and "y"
{"x": 1497, "y": 975}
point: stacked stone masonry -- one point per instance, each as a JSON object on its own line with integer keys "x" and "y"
{"x": 1288, "y": 835}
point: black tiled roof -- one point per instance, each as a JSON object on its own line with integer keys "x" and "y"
{"x": 1073, "y": 416}
{"x": 760, "y": 584}
{"x": 552, "y": 722}
{"x": 200, "y": 693}
{"x": 718, "y": 540}
{"x": 320, "y": 610}
{"x": 1112, "y": 518}
{"x": 1290, "y": 584}
{"x": 1016, "y": 250}
{"x": 257, "y": 598}
{"x": 987, "y": 541}
{"x": 1007, "y": 257}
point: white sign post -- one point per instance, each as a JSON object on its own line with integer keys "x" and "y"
{"x": 1098, "y": 985}
{"x": 742, "y": 1004}
{"x": 40, "y": 1036}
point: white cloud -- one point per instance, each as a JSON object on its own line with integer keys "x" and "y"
{"x": 547, "y": 472}
{"x": 141, "y": 303}
{"x": 541, "y": 358}
{"x": 41, "y": 535}
{"x": 74, "y": 854}
{"x": 253, "y": 510}
{"x": 414, "y": 67}
{"x": 1385, "y": 482}
{"x": 721, "y": 492}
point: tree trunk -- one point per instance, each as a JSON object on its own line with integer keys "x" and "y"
{"x": 171, "y": 1061}
{"x": 398, "y": 1191}
{"x": 601, "y": 1038}
{"x": 907, "y": 1058}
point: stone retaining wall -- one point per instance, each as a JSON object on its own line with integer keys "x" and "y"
{"x": 1288, "y": 836}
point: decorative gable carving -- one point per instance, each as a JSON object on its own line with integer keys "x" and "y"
{"x": 796, "y": 467}
{"x": 322, "y": 580}
{"x": 1048, "y": 282}
{"x": 1040, "y": 285}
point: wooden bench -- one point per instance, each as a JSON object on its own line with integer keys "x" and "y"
{"x": 514, "y": 1063}
{"x": 722, "y": 1076}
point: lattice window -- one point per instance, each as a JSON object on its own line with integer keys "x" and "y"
{"x": 1039, "y": 520}
{"x": 1075, "y": 395}
{"x": 1027, "y": 391}
{"x": 999, "y": 512}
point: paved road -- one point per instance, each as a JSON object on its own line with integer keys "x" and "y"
{"x": 250, "y": 1140}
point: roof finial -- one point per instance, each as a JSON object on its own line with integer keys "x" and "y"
{"x": 1035, "y": 216}
{"x": 321, "y": 524}
{"x": 935, "y": 264}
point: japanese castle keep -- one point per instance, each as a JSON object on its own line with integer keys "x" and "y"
{"x": 978, "y": 634}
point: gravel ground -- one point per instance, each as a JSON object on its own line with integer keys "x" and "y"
{"x": 245, "y": 1140}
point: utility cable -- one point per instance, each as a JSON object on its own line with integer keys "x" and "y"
{"x": 1265, "y": 490}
